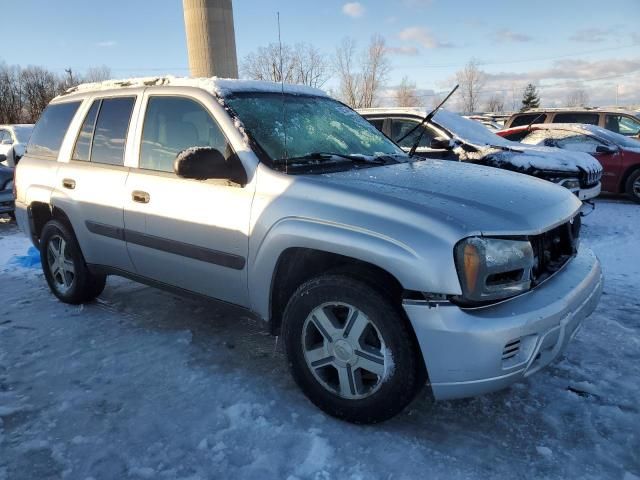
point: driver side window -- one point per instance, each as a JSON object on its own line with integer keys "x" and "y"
{"x": 400, "y": 127}
{"x": 173, "y": 124}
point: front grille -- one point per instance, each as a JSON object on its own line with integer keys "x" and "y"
{"x": 553, "y": 249}
{"x": 590, "y": 178}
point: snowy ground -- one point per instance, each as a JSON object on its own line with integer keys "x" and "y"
{"x": 143, "y": 384}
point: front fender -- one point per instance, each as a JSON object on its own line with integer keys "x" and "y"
{"x": 387, "y": 253}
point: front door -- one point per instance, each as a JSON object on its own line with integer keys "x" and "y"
{"x": 181, "y": 232}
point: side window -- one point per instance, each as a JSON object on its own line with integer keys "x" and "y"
{"x": 110, "y": 132}
{"x": 377, "y": 122}
{"x": 49, "y": 132}
{"x": 399, "y": 128}
{"x": 5, "y": 137}
{"x": 622, "y": 124}
{"x": 589, "y": 118}
{"x": 527, "y": 119}
{"x": 173, "y": 124}
{"x": 83, "y": 143}
{"x": 577, "y": 142}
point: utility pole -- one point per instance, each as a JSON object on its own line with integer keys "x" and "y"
{"x": 211, "y": 39}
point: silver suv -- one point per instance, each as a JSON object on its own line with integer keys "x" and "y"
{"x": 383, "y": 273}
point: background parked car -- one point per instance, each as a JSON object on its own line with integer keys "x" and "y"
{"x": 487, "y": 121}
{"x": 617, "y": 121}
{"x": 619, "y": 155}
{"x": 449, "y": 136}
{"x": 13, "y": 142}
{"x": 6, "y": 190}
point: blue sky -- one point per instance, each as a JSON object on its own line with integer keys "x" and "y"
{"x": 557, "y": 44}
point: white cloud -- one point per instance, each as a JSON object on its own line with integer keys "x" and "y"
{"x": 422, "y": 36}
{"x": 107, "y": 44}
{"x": 591, "y": 35}
{"x": 403, "y": 50}
{"x": 504, "y": 35}
{"x": 353, "y": 9}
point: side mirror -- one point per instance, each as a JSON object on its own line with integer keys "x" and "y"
{"x": 440, "y": 143}
{"x": 203, "y": 163}
{"x": 606, "y": 149}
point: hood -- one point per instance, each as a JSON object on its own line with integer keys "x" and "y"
{"x": 522, "y": 157}
{"x": 472, "y": 199}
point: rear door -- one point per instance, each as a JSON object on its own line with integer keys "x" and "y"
{"x": 90, "y": 184}
{"x": 182, "y": 232}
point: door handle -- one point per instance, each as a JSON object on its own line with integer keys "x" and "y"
{"x": 140, "y": 197}
{"x": 69, "y": 183}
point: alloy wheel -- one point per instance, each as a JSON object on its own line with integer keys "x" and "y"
{"x": 60, "y": 264}
{"x": 345, "y": 351}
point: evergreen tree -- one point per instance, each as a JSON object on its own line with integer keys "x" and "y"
{"x": 530, "y": 99}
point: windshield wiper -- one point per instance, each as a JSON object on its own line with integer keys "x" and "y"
{"x": 329, "y": 156}
{"x": 428, "y": 117}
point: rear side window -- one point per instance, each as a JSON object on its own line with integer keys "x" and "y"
{"x": 399, "y": 128}
{"x": 622, "y": 124}
{"x": 173, "y": 124}
{"x": 82, "y": 149}
{"x": 589, "y": 118}
{"x": 110, "y": 132}
{"x": 49, "y": 132}
{"x": 527, "y": 119}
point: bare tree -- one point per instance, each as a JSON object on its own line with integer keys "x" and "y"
{"x": 97, "y": 74}
{"x": 38, "y": 86}
{"x": 495, "y": 103}
{"x": 406, "y": 95}
{"x": 375, "y": 70}
{"x": 471, "y": 80}
{"x": 361, "y": 82}
{"x": 10, "y": 94}
{"x": 303, "y": 64}
{"x": 350, "y": 77}
{"x": 578, "y": 98}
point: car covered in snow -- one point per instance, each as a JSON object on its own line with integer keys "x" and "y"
{"x": 452, "y": 137}
{"x": 13, "y": 140}
{"x": 383, "y": 273}
{"x": 616, "y": 120}
{"x": 618, "y": 155}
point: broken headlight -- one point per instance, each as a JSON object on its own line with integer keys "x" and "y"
{"x": 493, "y": 268}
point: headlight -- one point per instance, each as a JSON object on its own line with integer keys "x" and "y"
{"x": 493, "y": 268}
{"x": 570, "y": 183}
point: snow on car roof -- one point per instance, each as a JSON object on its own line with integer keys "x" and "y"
{"x": 219, "y": 86}
{"x": 586, "y": 128}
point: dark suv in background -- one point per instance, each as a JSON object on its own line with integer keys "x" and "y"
{"x": 618, "y": 121}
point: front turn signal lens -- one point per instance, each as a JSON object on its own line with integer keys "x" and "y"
{"x": 471, "y": 266}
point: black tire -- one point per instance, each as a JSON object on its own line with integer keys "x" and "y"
{"x": 83, "y": 285}
{"x": 634, "y": 193}
{"x": 405, "y": 378}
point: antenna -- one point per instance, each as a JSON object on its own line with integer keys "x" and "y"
{"x": 284, "y": 108}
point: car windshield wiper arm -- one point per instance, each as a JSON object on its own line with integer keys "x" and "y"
{"x": 329, "y": 156}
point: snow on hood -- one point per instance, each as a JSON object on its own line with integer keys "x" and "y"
{"x": 472, "y": 197}
{"x": 521, "y": 156}
{"x": 220, "y": 86}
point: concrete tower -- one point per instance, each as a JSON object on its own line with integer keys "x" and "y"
{"x": 211, "y": 39}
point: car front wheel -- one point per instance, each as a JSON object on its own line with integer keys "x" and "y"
{"x": 350, "y": 350}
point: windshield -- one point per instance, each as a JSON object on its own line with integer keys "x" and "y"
{"x": 468, "y": 130}
{"x": 23, "y": 133}
{"x": 312, "y": 124}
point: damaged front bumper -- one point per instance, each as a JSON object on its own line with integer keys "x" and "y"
{"x": 469, "y": 352}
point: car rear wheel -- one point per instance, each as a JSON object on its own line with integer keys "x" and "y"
{"x": 64, "y": 267}
{"x": 633, "y": 186}
{"x": 350, "y": 350}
